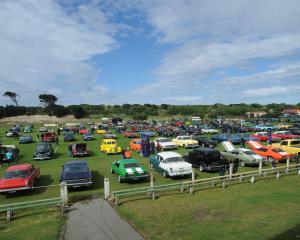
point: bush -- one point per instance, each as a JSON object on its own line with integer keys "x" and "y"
{"x": 59, "y": 111}
{"x": 77, "y": 111}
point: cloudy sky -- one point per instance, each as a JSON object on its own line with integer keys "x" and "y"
{"x": 158, "y": 51}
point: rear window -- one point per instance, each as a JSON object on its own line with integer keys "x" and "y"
{"x": 16, "y": 174}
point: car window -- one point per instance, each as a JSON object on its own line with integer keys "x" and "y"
{"x": 16, "y": 174}
{"x": 263, "y": 149}
{"x": 284, "y": 143}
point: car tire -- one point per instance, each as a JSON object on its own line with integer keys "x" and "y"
{"x": 165, "y": 174}
{"x": 112, "y": 171}
{"x": 242, "y": 163}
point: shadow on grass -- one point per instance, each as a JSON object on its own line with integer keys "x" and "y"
{"x": 293, "y": 233}
{"x": 57, "y": 155}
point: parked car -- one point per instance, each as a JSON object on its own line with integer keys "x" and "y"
{"x": 87, "y": 137}
{"x": 264, "y": 127}
{"x": 165, "y": 133}
{"x": 43, "y": 129}
{"x": 101, "y": 131}
{"x": 285, "y": 135}
{"x": 27, "y": 129}
{"x": 110, "y": 135}
{"x": 68, "y": 137}
{"x": 43, "y": 151}
{"x": 49, "y": 137}
{"x": 25, "y": 139}
{"x": 130, "y": 134}
{"x": 295, "y": 130}
{"x": 210, "y": 130}
{"x": 170, "y": 164}
{"x": 185, "y": 141}
{"x": 147, "y": 134}
{"x": 135, "y": 144}
{"x": 271, "y": 153}
{"x": 244, "y": 155}
{"x": 13, "y": 149}
{"x": 12, "y": 133}
{"x": 19, "y": 177}
{"x": 76, "y": 174}
{"x": 205, "y": 142}
{"x": 79, "y": 150}
{"x": 264, "y": 136}
{"x": 291, "y": 146}
{"x": 163, "y": 143}
{"x": 109, "y": 146}
{"x": 129, "y": 169}
{"x": 220, "y": 137}
{"x": 83, "y": 130}
{"x": 206, "y": 159}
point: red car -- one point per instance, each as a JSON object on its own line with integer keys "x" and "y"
{"x": 285, "y": 135}
{"x": 263, "y": 136}
{"x": 49, "y": 137}
{"x": 19, "y": 177}
{"x": 130, "y": 134}
{"x": 83, "y": 131}
{"x": 79, "y": 150}
{"x": 268, "y": 151}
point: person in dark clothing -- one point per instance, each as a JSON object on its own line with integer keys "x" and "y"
{"x": 236, "y": 164}
{"x": 243, "y": 142}
{"x": 58, "y": 131}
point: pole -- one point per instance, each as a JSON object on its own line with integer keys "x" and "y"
{"x": 151, "y": 186}
{"x": 106, "y": 189}
{"x": 193, "y": 180}
{"x": 230, "y": 170}
{"x": 260, "y": 167}
{"x": 64, "y": 192}
{"x": 287, "y": 166}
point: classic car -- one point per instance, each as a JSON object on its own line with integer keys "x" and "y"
{"x": 129, "y": 169}
{"x": 283, "y": 126}
{"x": 49, "y": 137}
{"x": 285, "y": 135}
{"x": 25, "y": 139}
{"x": 245, "y": 156}
{"x": 220, "y": 137}
{"x": 19, "y": 177}
{"x": 264, "y": 136}
{"x": 101, "y": 131}
{"x": 43, "y": 151}
{"x": 149, "y": 134}
{"x": 163, "y": 143}
{"x": 12, "y": 133}
{"x": 27, "y": 129}
{"x": 76, "y": 174}
{"x": 110, "y": 135}
{"x": 289, "y": 145}
{"x": 9, "y": 148}
{"x": 165, "y": 133}
{"x": 264, "y": 127}
{"x": 170, "y": 164}
{"x": 79, "y": 150}
{"x": 130, "y": 134}
{"x": 237, "y": 138}
{"x": 210, "y": 130}
{"x": 135, "y": 144}
{"x": 43, "y": 129}
{"x": 271, "y": 153}
{"x": 83, "y": 130}
{"x": 68, "y": 137}
{"x": 87, "y": 137}
{"x": 206, "y": 159}
{"x": 295, "y": 130}
{"x": 185, "y": 141}
{"x": 109, "y": 146}
{"x": 205, "y": 142}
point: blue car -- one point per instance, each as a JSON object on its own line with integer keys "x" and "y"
{"x": 76, "y": 174}
{"x": 69, "y": 137}
{"x": 87, "y": 137}
{"x": 25, "y": 139}
{"x": 144, "y": 134}
{"x": 220, "y": 137}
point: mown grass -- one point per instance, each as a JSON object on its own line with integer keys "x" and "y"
{"x": 99, "y": 163}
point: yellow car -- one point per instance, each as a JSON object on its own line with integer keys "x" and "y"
{"x": 109, "y": 146}
{"x": 185, "y": 141}
{"x": 101, "y": 131}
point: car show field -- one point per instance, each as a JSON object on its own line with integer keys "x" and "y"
{"x": 218, "y": 210}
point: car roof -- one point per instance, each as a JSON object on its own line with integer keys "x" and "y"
{"x": 169, "y": 154}
{"x": 19, "y": 167}
{"x": 75, "y": 162}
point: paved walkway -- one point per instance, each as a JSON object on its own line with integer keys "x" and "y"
{"x": 96, "y": 220}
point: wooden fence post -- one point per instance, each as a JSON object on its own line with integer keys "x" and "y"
{"x": 287, "y": 166}
{"x": 9, "y": 215}
{"x": 64, "y": 193}
{"x": 230, "y": 170}
{"x": 260, "y": 167}
{"x": 151, "y": 186}
{"x": 193, "y": 180}
{"x": 106, "y": 189}
{"x": 241, "y": 177}
{"x": 252, "y": 179}
{"x": 278, "y": 175}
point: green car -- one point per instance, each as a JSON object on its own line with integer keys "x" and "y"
{"x": 27, "y": 129}
{"x": 129, "y": 169}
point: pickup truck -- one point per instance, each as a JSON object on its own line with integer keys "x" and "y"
{"x": 289, "y": 145}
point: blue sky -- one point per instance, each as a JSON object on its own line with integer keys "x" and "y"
{"x": 159, "y": 51}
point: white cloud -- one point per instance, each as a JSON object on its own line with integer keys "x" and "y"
{"x": 47, "y": 49}
{"x": 262, "y": 92}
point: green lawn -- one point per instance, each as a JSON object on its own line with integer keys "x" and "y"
{"x": 100, "y": 166}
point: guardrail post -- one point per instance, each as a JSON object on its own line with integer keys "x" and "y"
{"x": 252, "y": 179}
{"x": 278, "y": 175}
{"x": 106, "y": 189}
{"x": 230, "y": 170}
{"x": 265, "y": 173}
{"x": 260, "y": 167}
{"x": 241, "y": 177}
{"x": 193, "y": 180}
{"x": 64, "y": 192}
{"x": 223, "y": 184}
{"x": 151, "y": 186}
{"x": 287, "y": 166}
{"x": 182, "y": 187}
{"x": 9, "y": 215}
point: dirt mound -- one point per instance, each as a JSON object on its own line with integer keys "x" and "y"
{"x": 38, "y": 119}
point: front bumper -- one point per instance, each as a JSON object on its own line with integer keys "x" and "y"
{"x": 191, "y": 145}
{"x": 11, "y": 190}
{"x": 39, "y": 157}
{"x": 79, "y": 183}
{"x": 180, "y": 173}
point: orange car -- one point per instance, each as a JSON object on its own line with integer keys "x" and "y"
{"x": 135, "y": 144}
{"x": 268, "y": 151}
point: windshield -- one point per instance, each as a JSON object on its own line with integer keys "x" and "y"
{"x": 173, "y": 159}
{"x": 16, "y": 174}
{"x": 131, "y": 165}
{"x": 76, "y": 168}
{"x": 164, "y": 140}
{"x": 249, "y": 153}
{"x": 110, "y": 143}
{"x": 186, "y": 138}
{"x": 43, "y": 147}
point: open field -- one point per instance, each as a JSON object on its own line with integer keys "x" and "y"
{"x": 99, "y": 163}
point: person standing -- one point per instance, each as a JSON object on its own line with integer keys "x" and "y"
{"x": 243, "y": 142}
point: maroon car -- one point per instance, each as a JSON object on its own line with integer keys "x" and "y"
{"x": 79, "y": 150}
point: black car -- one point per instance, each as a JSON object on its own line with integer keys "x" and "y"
{"x": 205, "y": 142}
{"x": 43, "y": 151}
{"x": 76, "y": 174}
{"x": 25, "y": 139}
{"x": 165, "y": 133}
{"x": 68, "y": 137}
{"x": 206, "y": 159}
{"x": 295, "y": 130}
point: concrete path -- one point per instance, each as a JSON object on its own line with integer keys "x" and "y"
{"x": 96, "y": 220}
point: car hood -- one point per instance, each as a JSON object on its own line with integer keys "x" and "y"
{"x": 12, "y": 183}
{"x": 163, "y": 144}
{"x": 179, "y": 165}
{"x": 77, "y": 175}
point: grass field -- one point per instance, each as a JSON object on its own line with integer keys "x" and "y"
{"x": 100, "y": 166}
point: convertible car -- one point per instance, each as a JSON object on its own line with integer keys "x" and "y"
{"x": 19, "y": 177}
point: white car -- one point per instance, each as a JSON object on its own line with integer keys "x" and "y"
{"x": 165, "y": 143}
{"x": 170, "y": 164}
{"x": 209, "y": 130}
{"x": 185, "y": 141}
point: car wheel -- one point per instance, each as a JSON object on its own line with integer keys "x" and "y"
{"x": 165, "y": 174}
{"x": 119, "y": 179}
{"x": 201, "y": 168}
{"x": 242, "y": 163}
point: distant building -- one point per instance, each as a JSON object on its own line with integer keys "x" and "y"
{"x": 256, "y": 114}
{"x": 291, "y": 111}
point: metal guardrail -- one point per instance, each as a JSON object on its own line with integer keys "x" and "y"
{"x": 219, "y": 181}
